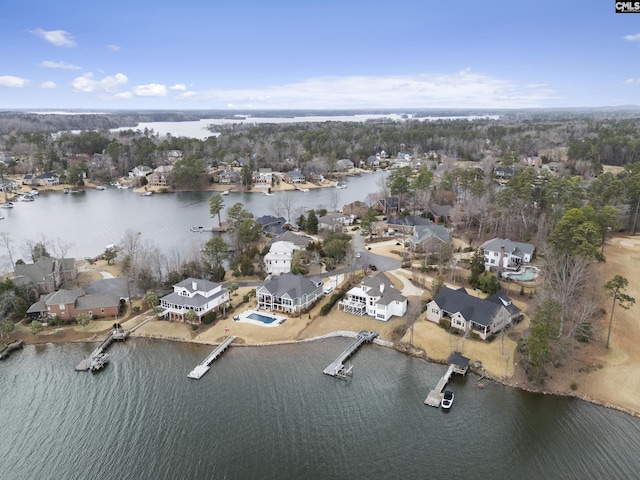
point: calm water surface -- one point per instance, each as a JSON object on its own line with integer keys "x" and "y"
{"x": 270, "y": 413}
{"x": 92, "y": 219}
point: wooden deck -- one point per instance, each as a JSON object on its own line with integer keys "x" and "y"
{"x": 434, "y": 398}
{"x": 204, "y": 366}
{"x": 337, "y": 368}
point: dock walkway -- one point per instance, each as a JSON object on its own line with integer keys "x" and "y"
{"x": 205, "y": 365}
{"x": 337, "y": 368}
{"x": 115, "y": 334}
{"x": 434, "y": 398}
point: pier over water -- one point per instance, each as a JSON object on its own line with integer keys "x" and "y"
{"x": 337, "y": 368}
{"x": 205, "y": 365}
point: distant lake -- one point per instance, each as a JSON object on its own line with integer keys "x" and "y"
{"x": 198, "y": 129}
{"x": 92, "y": 219}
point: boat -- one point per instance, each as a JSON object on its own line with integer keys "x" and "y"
{"x": 340, "y": 186}
{"x": 6, "y": 205}
{"x": 66, "y": 190}
{"x": 34, "y": 192}
{"x": 26, "y": 198}
{"x": 303, "y": 189}
{"x": 123, "y": 187}
{"x": 101, "y": 187}
{"x": 146, "y": 194}
{"x": 226, "y": 192}
{"x": 268, "y": 194}
{"x": 98, "y": 361}
{"x": 447, "y": 400}
{"x": 197, "y": 228}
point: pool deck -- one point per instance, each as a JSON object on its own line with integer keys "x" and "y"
{"x": 243, "y": 317}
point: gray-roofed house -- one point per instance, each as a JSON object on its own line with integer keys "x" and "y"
{"x": 357, "y": 208}
{"x": 299, "y": 241}
{"x": 201, "y": 296}
{"x": 377, "y": 297}
{"x": 441, "y": 212}
{"x": 406, "y": 224}
{"x": 473, "y": 315}
{"x": 344, "y": 164}
{"x": 502, "y": 253}
{"x": 47, "y": 273}
{"x": 68, "y": 304}
{"x": 272, "y": 225}
{"x": 294, "y": 176}
{"x": 334, "y": 222}
{"x": 289, "y": 293}
{"x": 429, "y": 238}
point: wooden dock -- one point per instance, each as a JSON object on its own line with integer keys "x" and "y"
{"x": 7, "y": 348}
{"x": 337, "y": 368}
{"x": 457, "y": 364}
{"x": 204, "y": 366}
{"x": 115, "y": 334}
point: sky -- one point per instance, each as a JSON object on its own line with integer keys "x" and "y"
{"x": 334, "y": 54}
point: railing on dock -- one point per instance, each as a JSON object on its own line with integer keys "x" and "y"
{"x": 205, "y": 365}
{"x": 337, "y": 368}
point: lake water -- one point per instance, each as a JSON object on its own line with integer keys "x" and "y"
{"x": 270, "y": 413}
{"x": 92, "y": 219}
{"x": 199, "y": 129}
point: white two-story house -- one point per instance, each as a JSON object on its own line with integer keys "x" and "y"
{"x": 505, "y": 254}
{"x": 201, "y": 296}
{"x": 376, "y": 297}
{"x": 278, "y": 259}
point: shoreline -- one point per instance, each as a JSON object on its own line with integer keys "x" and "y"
{"x": 415, "y": 352}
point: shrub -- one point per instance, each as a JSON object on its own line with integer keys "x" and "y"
{"x": 574, "y": 385}
{"x": 445, "y": 323}
{"x": 475, "y": 335}
{"x": 194, "y": 327}
{"x": 210, "y": 318}
{"x": 326, "y": 308}
{"x": 136, "y": 309}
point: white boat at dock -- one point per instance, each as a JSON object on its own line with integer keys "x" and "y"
{"x": 340, "y": 186}
{"x": 98, "y": 361}
{"x": 303, "y": 189}
{"x": 101, "y": 187}
{"x": 146, "y": 194}
{"x": 6, "y": 205}
{"x": 268, "y": 194}
{"x": 226, "y": 192}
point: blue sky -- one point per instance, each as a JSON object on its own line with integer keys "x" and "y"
{"x": 334, "y": 54}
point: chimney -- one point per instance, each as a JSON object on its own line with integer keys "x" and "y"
{"x": 194, "y": 285}
{"x": 382, "y": 288}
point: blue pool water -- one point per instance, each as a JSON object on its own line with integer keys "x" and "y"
{"x": 261, "y": 318}
{"x": 526, "y": 276}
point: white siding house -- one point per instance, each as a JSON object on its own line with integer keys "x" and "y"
{"x": 376, "y": 297}
{"x": 201, "y": 296}
{"x": 278, "y": 260}
{"x": 502, "y": 253}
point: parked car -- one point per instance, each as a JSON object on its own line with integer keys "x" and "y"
{"x": 358, "y": 255}
{"x": 373, "y": 267}
{"x": 327, "y": 289}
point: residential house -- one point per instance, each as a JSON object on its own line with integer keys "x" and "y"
{"x": 406, "y": 224}
{"x": 47, "y": 273}
{"x": 403, "y": 157}
{"x": 376, "y": 297}
{"x": 299, "y": 241}
{"x": 263, "y": 176}
{"x": 47, "y": 179}
{"x": 314, "y": 174}
{"x": 473, "y": 315}
{"x": 388, "y": 205}
{"x": 68, "y": 304}
{"x": 334, "y": 222}
{"x": 294, "y": 176}
{"x": 289, "y": 293}
{"x": 429, "y": 238}
{"x": 271, "y": 225}
{"x": 228, "y": 177}
{"x": 441, "y": 212}
{"x": 504, "y": 172}
{"x": 372, "y": 161}
{"x": 278, "y": 259}
{"x": 201, "y": 296}
{"x": 502, "y": 253}
{"x": 356, "y": 209}
{"x": 344, "y": 164}
{"x": 161, "y": 176}
{"x": 139, "y": 172}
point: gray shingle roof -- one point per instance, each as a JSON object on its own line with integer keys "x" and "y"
{"x": 433, "y": 230}
{"x": 87, "y": 302}
{"x": 472, "y": 308}
{"x": 63, "y": 297}
{"x": 201, "y": 285}
{"x": 295, "y": 286}
{"x": 196, "y": 301}
{"x": 514, "y": 248}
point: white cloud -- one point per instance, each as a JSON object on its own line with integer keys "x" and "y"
{"x": 9, "y": 81}
{"x": 178, "y": 86}
{"x": 114, "y": 48}
{"x": 124, "y": 95}
{"x": 86, "y": 83}
{"x": 62, "y": 65}
{"x": 632, "y": 38}
{"x": 48, "y": 85}
{"x": 151, "y": 90}
{"x": 187, "y": 94}
{"x": 59, "y": 38}
{"x": 632, "y": 81}
{"x": 464, "y": 89}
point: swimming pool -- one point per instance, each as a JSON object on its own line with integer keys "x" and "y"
{"x": 527, "y": 275}
{"x": 261, "y": 318}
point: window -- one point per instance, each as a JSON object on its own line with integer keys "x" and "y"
{"x": 61, "y": 306}
{"x": 102, "y": 310}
